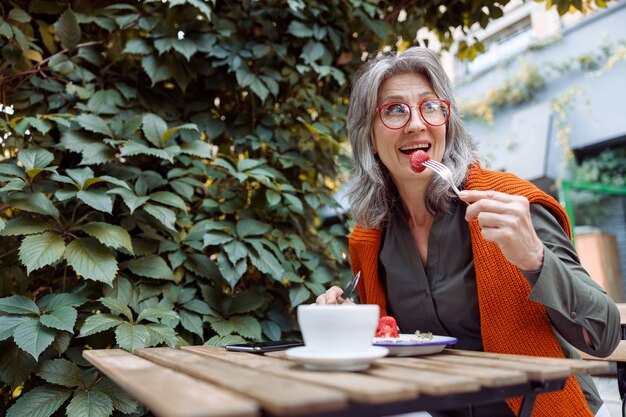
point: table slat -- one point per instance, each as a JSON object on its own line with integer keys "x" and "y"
{"x": 535, "y": 372}
{"x": 486, "y": 377}
{"x": 622, "y": 313}
{"x": 359, "y": 387}
{"x": 168, "y": 393}
{"x": 426, "y": 381}
{"x": 277, "y": 394}
{"x": 577, "y": 366}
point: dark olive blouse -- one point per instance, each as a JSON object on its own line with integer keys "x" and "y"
{"x": 441, "y": 296}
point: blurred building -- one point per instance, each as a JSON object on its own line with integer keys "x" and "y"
{"x": 546, "y": 85}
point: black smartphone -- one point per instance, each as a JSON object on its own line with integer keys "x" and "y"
{"x": 260, "y": 347}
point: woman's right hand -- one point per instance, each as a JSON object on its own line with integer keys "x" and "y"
{"x": 332, "y": 296}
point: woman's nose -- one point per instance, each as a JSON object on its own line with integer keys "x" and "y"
{"x": 415, "y": 122}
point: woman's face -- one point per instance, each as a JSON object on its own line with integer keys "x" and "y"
{"x": 394, "y": 147}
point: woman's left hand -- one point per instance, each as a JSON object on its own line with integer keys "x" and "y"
{"x": 505, "y": 220}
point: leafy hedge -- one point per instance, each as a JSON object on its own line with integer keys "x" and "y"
{"x": 163, "y": 165}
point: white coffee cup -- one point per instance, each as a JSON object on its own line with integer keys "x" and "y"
{"x": 333, "y": 328}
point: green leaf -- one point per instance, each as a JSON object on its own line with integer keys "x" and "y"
{"x": 16, "y": 184}
{"x": 155, "y": 68}
{"x": 152, "y": 266}
{"x": 154, "y": 314}
{"x": 94, "y": 124}
{"x": 97, "y": 200}
{"x": 62, "y": 342}
{"x": 224, "y": 340}
{"x": 298, "y": 294}
{"x": 24, "y": 226}
{"x": 63, "y": 318}
{"x": 133, "y": 148}
{"x": 168, "y": 198}
{"x": 271, "y": 329}
{"x": 52, "y": 302}
{"x": 191, "y": 322}
{"x": 37, "y": 251}
{"x": 19, "y": 15}
{"x": 5, "y": 29}
{"x": 18, "y": 304}
{"x": 266, "y": 262}
{"x": 202, "y": 6}
{"x": 35, "y": 158}
{"x": 232, "y": 273}
{"x": 299, "y": 29}
{"x": 109, "y": 179}
{"x": 246, "y": 326}
{"x": 8, "y": 325}
{"x": 272, "y": 197}
{"x": 235, "y": 251}
{"x": 164, "y": 215}
{"x": 201, "y": 265}
{"x": 198, "y": 306}
{"x": 247, "y": 302}
{"x": 109, "y": 234}
{"x": 293, "y": 203}
{"x": 122, "y": 401}
{"x": 117, "y": 306}
{"x": 154, "y": 128}
{"x": 36, "y": 202}
{"x": 197, "y": 148}
{"x": 32, "y": 337}
{"x": 251, "y": 227}
{"x": 131, "y": 337}
{"x": 99, "y": 323}
{"x": 92, "y": 403}
{"x": 80, "y": 175}
{"x": 259, "y": 88}
{"x": 16, "y": 365}
{"x": 41, "y": 401}
{"x": 160, "y": 333}
{"x": 68, "y": 30}
{"x": 9, "y": 168}
{"x": 61, "y": 372}
{"x": 91, "y": 259}
{"x": 186, "y": 126}
{"x": 137, "y": 46}
{"x": 216, "y": 239}
{"x": 132, "y": 201}
{"x": 105, "y": 102}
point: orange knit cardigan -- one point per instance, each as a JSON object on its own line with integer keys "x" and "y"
{"x": 509, "y": 321}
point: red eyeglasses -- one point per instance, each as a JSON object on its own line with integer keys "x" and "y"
{"x": 396, "y": 115}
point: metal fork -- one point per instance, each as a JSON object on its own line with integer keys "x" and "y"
{"x": 443, "y": 171}
{"x": 347, "y": 293}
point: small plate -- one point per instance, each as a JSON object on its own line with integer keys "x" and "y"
{"x": 411, "y": 345}
{"x": 336, "y": 361}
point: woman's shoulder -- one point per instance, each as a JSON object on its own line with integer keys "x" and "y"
{"x": 361, "y": 234}
{"x": 479, "y": 178}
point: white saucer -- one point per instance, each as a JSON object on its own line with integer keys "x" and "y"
{"x": 410, "y": 345}
{"x": 336, "y": 361}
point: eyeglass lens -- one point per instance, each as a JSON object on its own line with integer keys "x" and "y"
{"x": 396, "y": 115}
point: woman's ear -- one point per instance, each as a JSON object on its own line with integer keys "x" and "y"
{"x": 373, "y": 144}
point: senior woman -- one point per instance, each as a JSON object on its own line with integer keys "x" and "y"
{"x": 493, "y": 267}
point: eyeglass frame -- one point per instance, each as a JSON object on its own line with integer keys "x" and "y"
{"x": 419, "y": 107}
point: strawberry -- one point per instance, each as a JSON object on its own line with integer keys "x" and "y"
{"x": 387, "y": 327}
{"x": 417, "y": 160}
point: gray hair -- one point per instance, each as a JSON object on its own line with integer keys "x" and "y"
{"x": 371, "y": 192}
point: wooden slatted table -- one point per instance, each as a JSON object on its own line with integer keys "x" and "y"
{"x": 209, "y": 381}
